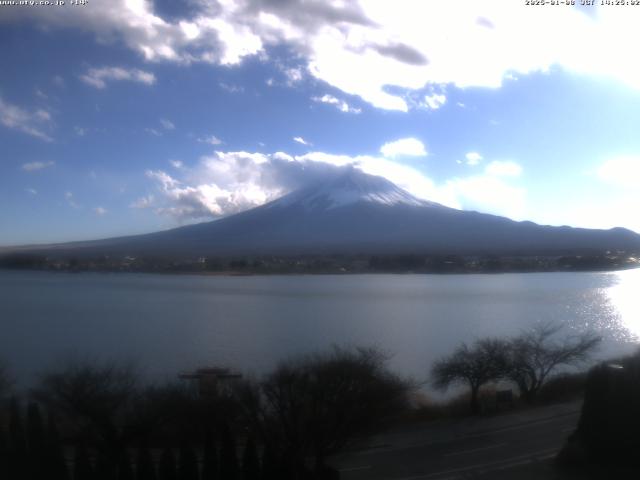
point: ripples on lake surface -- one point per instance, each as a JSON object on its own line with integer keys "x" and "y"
{"x": 167, "y": 323}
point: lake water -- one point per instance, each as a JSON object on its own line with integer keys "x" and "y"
{"x": 169, "y": 323}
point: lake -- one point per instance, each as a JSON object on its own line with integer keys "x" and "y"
{"x": 170, "y": 323}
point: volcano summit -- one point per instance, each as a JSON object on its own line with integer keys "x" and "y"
{"x": 356, "y": 213}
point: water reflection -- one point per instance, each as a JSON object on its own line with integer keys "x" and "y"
{"x": 623, "y": 298}
{"x": 173, "y": 323}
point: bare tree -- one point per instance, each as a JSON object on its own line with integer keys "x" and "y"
{"x": 482, "y": 362}
{"x": 315, "y": 406}
{"x": 534, "y": 355}
{"x": 95, "y": 398}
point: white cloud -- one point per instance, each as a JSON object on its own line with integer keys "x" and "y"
{"x": 232, "y": 40}
{"x": 231, "y": 88}
{"x": 434, "y": 101}
{"x": 487, "y": 194}
{"x": 100, "y": 211}
{"x": 31, "y": 123}
{"x": 293, "y": 75}
{"x": 190, "y": 30}
{"x": 301, "y": 141}
{"x": 210, "y": 139}
{"x": 364, "y": 47}
{"x": 42, "y": 115}
{"x": 80, "y": 131}
{"x": 411, "y": 44}
{"x": 164, "y": 178}
{"x": 177, "y": 164}
{"x": 153, "y": 132}
{"x": 167, "y": 124}
{"x": 34, "y": 166}
{"x": 490, "y": 192}
{"x": 230, "y": 182}
{"x": 31, "y": 191}
{"x": 339, "y": 104}
{"x": 143, "y": 202}
{"x": 70, "y": 199}
{"x": 98, "y": 77}
{"x": 503, "y": 169}
{"x": 216, "y": 33}
{"x": 404, "y": 147}
{"x": 473, "y": 158}
{"x": 408, "y": 178}
{"x": 621, "y": 171}
{"x": 225, "y": 183}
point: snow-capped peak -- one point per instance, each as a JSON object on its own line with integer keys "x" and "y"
{"x": 350, "y": 187}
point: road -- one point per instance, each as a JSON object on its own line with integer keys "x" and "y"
{"x": 493, "y": 447}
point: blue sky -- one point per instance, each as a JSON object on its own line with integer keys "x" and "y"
{"x": 131, "y": 116}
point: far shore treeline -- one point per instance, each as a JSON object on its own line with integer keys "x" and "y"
{"x": 323, "y": 264}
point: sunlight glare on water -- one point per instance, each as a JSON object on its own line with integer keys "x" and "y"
{"x": 624, "y": 297}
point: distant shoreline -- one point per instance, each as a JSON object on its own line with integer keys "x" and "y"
{"x": 328, "y": 264}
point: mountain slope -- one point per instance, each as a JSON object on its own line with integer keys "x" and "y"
{"x": 359, "y": 213}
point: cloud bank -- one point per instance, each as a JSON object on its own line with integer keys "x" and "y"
{"x": 225, "y": 183}
{"x": 376, "y": 50}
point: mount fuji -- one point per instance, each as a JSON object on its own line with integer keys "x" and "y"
{"x": 356, "y": 213}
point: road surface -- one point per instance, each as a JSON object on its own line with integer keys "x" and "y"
{"x": 492, "y": 447}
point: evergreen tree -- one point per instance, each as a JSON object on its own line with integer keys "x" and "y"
{"x": 272, "y": 468}
{"x": 125, "y": 469}
{"x": 210, "y": 459}
{"x": 17, "y": 443}
{"x": 4, "y": 455}
{"x": 187, "y": 464}
{"x": 145, "y": 470}
{"x": 36, "y": 442}
{"x": 250, "y": 461}
{"x": 167, "y": 470}
{"x": 228, "y": 456}
{"x": 82, "y": 468}
{"x": 56, "y": 463}
{"x": 105, "y": 469}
